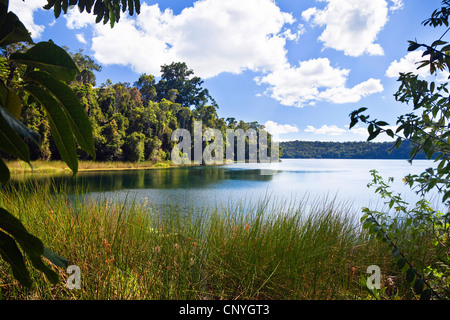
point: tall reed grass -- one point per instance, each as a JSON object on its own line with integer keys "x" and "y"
{"x": 306, "y": 250}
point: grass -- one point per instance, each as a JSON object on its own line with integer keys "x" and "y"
{"x": 130, "y": 251}
{"x": 40, "y": 166}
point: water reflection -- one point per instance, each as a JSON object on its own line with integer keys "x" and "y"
{"x": 245, "y": 183}
{"x": 170, "y": 178}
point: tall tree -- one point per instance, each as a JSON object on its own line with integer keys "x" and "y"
{"x": 190, "y": 93}
{"x": 146, "y": 86}
{"x": 87, "y": 66}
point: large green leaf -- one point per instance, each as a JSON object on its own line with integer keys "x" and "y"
{"x": 19, "y": 127}
{"x": 55, "y": 258}
{"x": 79, "y": 121}
{"x": 37, "y": 262}
{"x": 12, "y": 255}
{"x": 59, "y": 126}
{"x": 49, "y": 57}
{"x": 12, "y": 30}
{"x": 4, "y": 173}
{"x": 11, "y": 143}
{"x": 13, "y": 103}
{"x": 29, "y": 243}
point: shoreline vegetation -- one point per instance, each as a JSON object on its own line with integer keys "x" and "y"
{"x": 55, "y": 166}
{"x": 305, "y": 250}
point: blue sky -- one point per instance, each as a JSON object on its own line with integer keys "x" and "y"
{"x": 300, "y": 67}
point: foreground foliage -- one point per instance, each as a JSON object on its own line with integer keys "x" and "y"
{"x": 37, "y": 76}
{"x": 427, "y": 128}
{"x": 265, "y": 250}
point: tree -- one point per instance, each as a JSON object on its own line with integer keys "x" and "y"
{"x": 87, "y": 66}
{"x": 427, "y": 128}
{"x": 146, "y": 86}
{"x": 39, "y": 75}
{"x": 190, "y": 93}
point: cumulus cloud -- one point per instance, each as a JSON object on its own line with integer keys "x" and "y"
{"x": 211, "y": 37}
{"x": 215, "y": 37}
{"x": 276, "y": 129}
{"x": 407, "y": 64}
{"x": 351, "y": 26}
{"x": 315, "y": 80}
{"x": 25, "y": 10}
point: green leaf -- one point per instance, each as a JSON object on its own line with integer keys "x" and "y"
{"x": 438, "y": 43}
{"x": 57, "y": 9}
{"x": 137, "y": 6}
{"x": 59, "y": 126}
{"x": 32, "y": 246}
{"x": 401, "y": 263}
{"x": 49, "y": 57}
{"x": 396, "y": 253}
{"x": 413, "y": 46}
{"x": 19, "y": 127}
{"x": 373, "y": 135}
{"x": 79, "y": 121}
{"x": 368, "y": 223}
{"x": 390, "y": 133}
{"x": 418, "y": 286}
{"x": 11, "y": 143}
{"x": 12, "y": 225}
{"x": 130, "y": 7}
{"x": 13, "y": 103}
{"x": 410, "y": 275}
{"x": 55, "y": 258}
{"x": 425, "y": 295}
{"x": 4, "y": 173}
{"x": 12, "y": 255}
{"x": 37, "y": 262}
{"x": 13, "y": 31}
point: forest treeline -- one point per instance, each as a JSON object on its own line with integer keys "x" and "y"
{"x": 134, "y": 122}
{"x": 345, "y": 150}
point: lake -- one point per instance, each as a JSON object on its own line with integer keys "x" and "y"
{"x": 291, "y": 179}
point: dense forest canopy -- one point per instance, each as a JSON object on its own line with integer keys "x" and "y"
{"x": 345, "y": 150}
{"x": 134, "y": 122}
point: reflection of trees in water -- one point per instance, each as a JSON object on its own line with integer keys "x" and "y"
{"x": 172, "y": 178}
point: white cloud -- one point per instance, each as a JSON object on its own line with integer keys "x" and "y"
{"x": 80, "y": 37}
{"x": 211, "y": 37}
{"x": 77, "y": 20}
{"x": 332, "y": 130}
{"x": 24, "y": 11}
{"x": 276, "y": 129}
{"x": 408, "y": 64}
{"x": 315, "y": 80}
{"x": 351, "y": 26}
{"x": 348, "y": 95}
{"x": 214, "y": 37}
{"x": 396, "y": 5}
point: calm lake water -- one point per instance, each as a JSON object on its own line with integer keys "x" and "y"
{"x": 291, "y": 179}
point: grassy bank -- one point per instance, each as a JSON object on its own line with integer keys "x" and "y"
{"x": 40, "y": 166}
{"x": 132, "y": 252}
